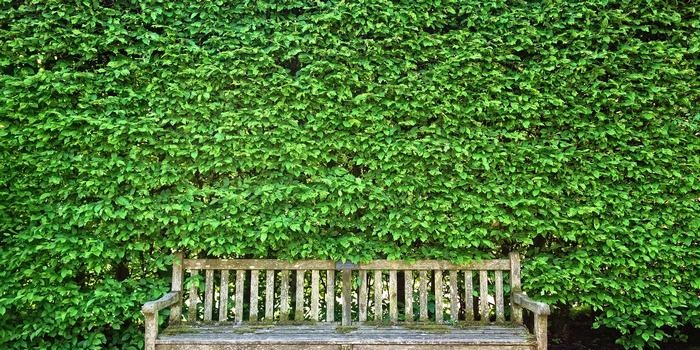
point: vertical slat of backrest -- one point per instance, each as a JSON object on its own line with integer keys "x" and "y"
{"x": 240, "y": 282}
{"x": 454, "y": 297}
{"x": 500, "y": 314}
{"x": 393, "y": 301}
{"x": 299, "y": 304}
{"x": 314, "y": 295}
{"x": 176, "y": 286}
{"x": 438, "y": 296}
{"x": 362, "y": 296}
{"x": 408, "y": 295}
{"x": 468, "y": 296}
{"x": 378, "y": 293}
{"x": 516, "y": 310}
{"x": 483, "y": 296}
{"x": 330, "y": 296}
{"x": 269, "y": 295}
{"x": 223, "y": 297}
{"x": 284, "y": 295}
{"x": 208, "y": 294}
{"x": 254, "y": 281}
{"x": 347, "y": 298}
{"x": 194, "y": 297}
{"x": 423, "y": 290}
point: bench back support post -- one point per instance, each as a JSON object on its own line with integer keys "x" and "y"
{"x": 517, "y": 310}
{"x": 176, "y": 310}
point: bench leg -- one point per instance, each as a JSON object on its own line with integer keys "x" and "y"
{"x": 151, "y": 331}
{"x": 541, "y": 331}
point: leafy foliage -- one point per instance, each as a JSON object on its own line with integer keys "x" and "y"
{"x": 346, "y": 129}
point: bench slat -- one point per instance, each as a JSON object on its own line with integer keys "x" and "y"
{"x": 208, "y": 294}
{"x": 408, "y": 295}
{"x": 299, "y": 300}
{"x": 468, "y": 296}
{"x": 194, "y": 297}
{"x": 284, "y": 295}
{"x": 223, "y": 296}
{"x": 257, "y": 264}
{"x": 330, "y": 296}
{"x": 438, "y": 296}
{"x": 393, "y": 302}
{"x": 240, "y": 279}
{"x": 347, "y": 298}
{"x": 269, "y": 295}
{"x": 423, "y": 290}
{"x": 314, "y": 295}
{"x": 378, "y": 291}
{"x": 483, "y": 296}
{"x": 500, "y": 314}
{"x": 362, "y": 296}
{"x": 254, "y": 280}
{"x": 497, "y": 264}
{"x": 454, "y": 297}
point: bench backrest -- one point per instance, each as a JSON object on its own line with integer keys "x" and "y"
{"x": 313, "y": 290}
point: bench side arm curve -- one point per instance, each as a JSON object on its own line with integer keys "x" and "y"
{"x": 540, "y": 311}
{"x": 150, "y": 311}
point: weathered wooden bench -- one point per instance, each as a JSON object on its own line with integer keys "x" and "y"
{"x": 456, "y": 307}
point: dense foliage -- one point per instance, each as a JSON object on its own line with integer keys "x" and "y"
{"x": 346, "y": 129}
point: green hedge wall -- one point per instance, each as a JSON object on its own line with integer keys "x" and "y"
{"x": 346, "y": 129}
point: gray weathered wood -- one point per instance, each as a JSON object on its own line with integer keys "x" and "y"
{"x": 208, "y": 294}
{"x": 240, "y": 280}
{"x": 408, "y": 295}
{"x": 299, "y": 300}
{"x": 313, "y": 336}
{"x": 500, "y": 264}
{"x": 151, "y": 325}
{"x": 269, "y": 295}
{"x": 438, "y": 296}
{"x": 314, "y": 295}
{"x": 254, "y": 281}
{"x": 362, "y": 296}
{"x": 223, "y": 296}
{"x": 172, "y": 298}
{"x": 193, "y": 296}
{"x": 540, "y": 330}
{"x": 284, "y": 295}
{"x": 330, "y": 295}
{"x": 516, "y": 310}
{"x": 468, "y": 296}
{"x": 347, "y": 300}
{"x": 393, "y": 297}
{"x": 484, "y": 296}
{"x": 176, "y": 286}
{"x": 257, "y": 264}
{"x": 454, "y": 297}
{"x": 521, "y": 299}
{"x": 378, "y": 294}
{"x": 323, "y": 333}
{"x": 423, "y": 296}
{"x": 500, "y": 314}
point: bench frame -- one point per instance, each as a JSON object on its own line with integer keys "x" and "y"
{"x": 519, "y": 300}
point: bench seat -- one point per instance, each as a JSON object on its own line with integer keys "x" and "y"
{"x": 330, "y": 336}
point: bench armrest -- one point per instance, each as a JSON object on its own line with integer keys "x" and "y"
{"x": 150, "y": 311}
{"x": 536, "y": 307}
{"x": 169, "y": 299}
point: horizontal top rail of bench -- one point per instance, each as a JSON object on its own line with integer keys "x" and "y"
{"x": 266, "y": 264}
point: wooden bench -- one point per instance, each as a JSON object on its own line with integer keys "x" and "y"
{"x": 386, "y": 305}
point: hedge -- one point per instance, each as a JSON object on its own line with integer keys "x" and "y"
{"x": 567, "y": 130}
